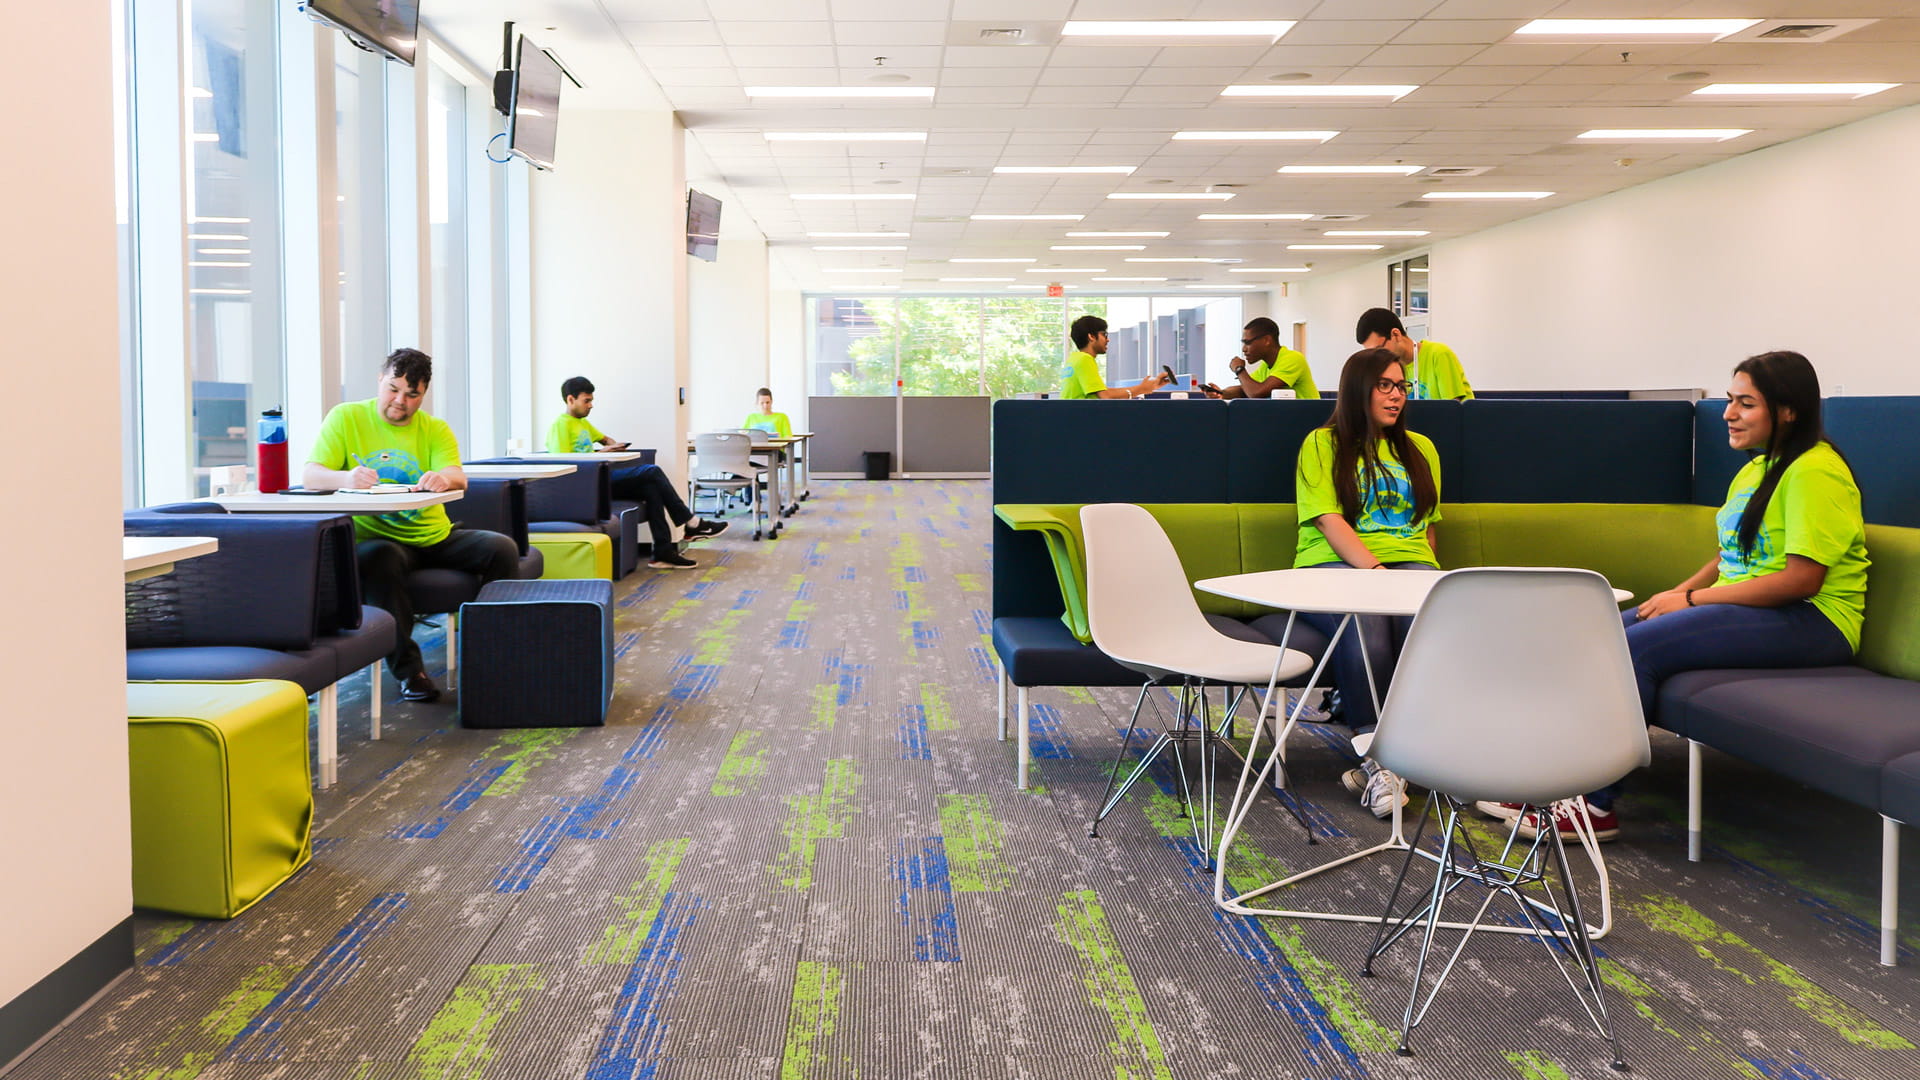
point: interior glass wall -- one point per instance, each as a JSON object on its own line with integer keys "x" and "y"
{"x": 447, "y": 154}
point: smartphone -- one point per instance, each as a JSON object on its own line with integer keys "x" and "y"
{"x": 303, "y": 491}
{"x": 1168, "y": 372}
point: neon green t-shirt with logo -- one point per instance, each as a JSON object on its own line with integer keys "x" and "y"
{"x": 1437, "y": 375}
{"x": 1814, "y": 513}
{"x": 774, "y": 424}
{"x": 572, "y": 434}
{"x": 355, "y": 434}
{"x": 1386, "y": 523}
{"x": 1080, "y": 377}
{"x": 1291, "y": 366}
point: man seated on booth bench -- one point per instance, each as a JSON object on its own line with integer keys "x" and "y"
{"x": 573, "y": 433}
{"x": 389, "y": 440}
{"x": 1264, "y": 365}
{"x": 1080, "y": 375}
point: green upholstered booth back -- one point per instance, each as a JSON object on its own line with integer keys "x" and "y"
{"x": 1890, "y": 640}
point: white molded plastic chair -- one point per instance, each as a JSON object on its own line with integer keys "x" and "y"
{"x": 1142, "y": 613}
{"x": 721, "y": 464}
{"x": 1514, "y": 686}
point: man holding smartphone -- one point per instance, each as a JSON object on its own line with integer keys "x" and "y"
{"x": 1080, "y": 377}
{"x": 1264, "y": 365}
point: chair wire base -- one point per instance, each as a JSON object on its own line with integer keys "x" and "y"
{"x": 1552, "y": 914}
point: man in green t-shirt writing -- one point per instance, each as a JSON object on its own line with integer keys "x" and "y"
{"x": 763, "y": 418}
{"x": 1080, "y": 376}
{"x": 1263, "y": 366}
{"x": 648, "y": 485}
{"x": 388, "y": 440}
{"x": 1431, "y": 367}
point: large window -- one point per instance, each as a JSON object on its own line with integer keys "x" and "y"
{"x": 359, "y": 90}
{"x": 447, "y": 155}
{"x": 233, "y": 231}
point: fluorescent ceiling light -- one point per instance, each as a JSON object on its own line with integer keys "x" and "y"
{"x": 216, "y": 236}
{"x": 225, "y": 251}
{"x": 860, "y": 270}
{"x": 840, "y": 91}
{"x": 1269, "y": 269}
{"x": 856, "y": 235}
{"x": 219, "y": 264}
{"x": 1098, "y": 247}
{"x": 1351, "y": 170}
{"x": 1040, "y": 286}
{"x": 1117, "y": 235}
{"x": 860, "y": 247}
{"x": 222, "y": 221}
{"x": 1487, "y": 195}
{"x": 1214, "y": 196}
{"x": 1630, "y": 30}
{"x": 1066, "y": 269}
{"x": 1319, "y": 90}
{"x": 1256, "y": 217}
{"x": 1254, "y": 136}
{"x": 1375, "y": 232}
{"x": 849, "y": 196}
{"x": 1121, "y": 170}
{"x": 990, "y": 260}
{"x": 845, "y": 136}
{"x": 1334, "y": 247}
{"x": 1025, "y": 217}
{"x": 1269, "y": 30}
{"x": 1792, "y": 90}
{"x": 1182, "y": 259}
{"x": 1662, "y": 134}
{"x": 1107, "y": 279}
{"x": 976, "y": 279}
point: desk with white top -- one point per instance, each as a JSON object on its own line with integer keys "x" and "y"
{"x": 531, "y": 470}
{"x": 612, "y": 457}
{"x": 152, "y": 556}
{"x": 337, "y": 502}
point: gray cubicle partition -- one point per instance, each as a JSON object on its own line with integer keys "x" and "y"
{"x": 927, "y": 436}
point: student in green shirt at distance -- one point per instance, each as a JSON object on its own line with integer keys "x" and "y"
{"x": 1788, "y": 586}
{"x": 648, "y": 485}
{"x": 1367, "y": 491}
{"x": 1433, "y": 368}
{"x": 763, "y": 418}
{"x": 389, "y": 440}
{"x": 1264, "y": 365}
{"x": 1080, "y": 375}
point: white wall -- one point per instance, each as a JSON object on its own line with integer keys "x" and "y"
{"x": 609, "y": 291}
{"x": 1808, "y": 245}
{"x": 63, "y": 775}
{"x": 726, "y": 310}
{"x": 787, "y": 329}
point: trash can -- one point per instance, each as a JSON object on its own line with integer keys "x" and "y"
{"x": 879, "y": 464}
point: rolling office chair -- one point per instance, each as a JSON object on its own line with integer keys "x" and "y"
{"x": 723, "y": 464}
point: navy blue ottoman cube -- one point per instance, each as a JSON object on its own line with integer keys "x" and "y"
{"x": 537, "y": 654}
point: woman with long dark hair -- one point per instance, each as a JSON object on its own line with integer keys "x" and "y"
{"x": 1787, "y": 588}
{"x": 1368, "y": 495}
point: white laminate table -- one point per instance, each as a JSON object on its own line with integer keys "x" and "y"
{"x": 779, "y": 477}
{"x": 151, "y": 556}
{"x": 532, "y": 470}
{"x": 334, "y": 503}
{"x": 1347, "y": 593}
{"x": 611, "y": 457}
{"x": 805, "y": 455}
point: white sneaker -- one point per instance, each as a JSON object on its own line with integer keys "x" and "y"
{"x": 1380, "y": 791}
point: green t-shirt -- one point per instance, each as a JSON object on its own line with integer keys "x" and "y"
{"x": 1437, "y": 375}
{"x": 355, "y": 434}
{"x": 775, "y": 424}
{"x": 1386, "y": 523}
{"x": 1292, "y": 368}
{"x": 1814, "y": 513}
{"x": 572, "y": 435}
{"x": 1081, "y": 377}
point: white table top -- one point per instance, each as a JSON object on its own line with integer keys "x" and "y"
{"x": 1335, "y": 591}
{"x": 615, "y": 457}
{"x": 147, "y": 552}
{"x": 335, "y": 503}
{"x": 532, "y": 470}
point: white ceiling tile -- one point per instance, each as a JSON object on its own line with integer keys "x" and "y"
{"x": 789, "y": 76}
{"x": 1287, "y": 57}
{"x": 673, "y": 33}
{"x": 1376, "y": 9}
{"x": 1172, "y": 95}
{"x": 891, "y": 33}
{"x": 1516, "y": 55}
{"x": 888, "y": 10}
{"x": 1252, "y": 9}
{"x": 1546, "y": 94}
{"x": 1451, "y": 95}
{"x": 1224, "y": 58}
{"x": 863, "y": 75}
{"x": 1134, "y": 9}
{"x": 1184, "y": 76}
{"x": 783, "y": 56}
{"x": 661, "y": 10}
{"x": 1345, "y": 32}
{"x": 1011, "y": 10}
{"x": 1489, "y": 75}
{"x": 995, "y": 56}
{"x": 1078, "y": 95}
{"x": 670, "y": 56}
{"x": 1458, "y": 32}
{"x": 1096, "y": 76}
{"x": 995, "y": 76}
{"x": 984, "y": 95}
{"x": 768, "y": 10}
{"x": 1423, "y": 54}
{"x": 777, "y": 33}
{"x": 1495, "y": 9}
{"x": 1393, "y": 74}
{"x": 672, "y": 77}
{"x": 1104, "y": 55}
{"x": 898, "y": 56}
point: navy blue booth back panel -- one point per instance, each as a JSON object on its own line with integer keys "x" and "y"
{"x": 1109, "y": 451}
{"x": 1714, "y": 462}
{"x": 1445, "y": 423}
{"x": 1263, "y": 443}
{"x": 1023, "y": 579}
{"x": 1575, "y": 451}
{"x": 1880, "y": 437}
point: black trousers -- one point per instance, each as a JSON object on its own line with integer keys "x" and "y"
{"x": 385, "y": 564}
{"x": 649, "y": 484}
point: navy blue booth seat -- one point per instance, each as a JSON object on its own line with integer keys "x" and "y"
{"x": 582, "y": 501}
{"x": 280, "y": 599}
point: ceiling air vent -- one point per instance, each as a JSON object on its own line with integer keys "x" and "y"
{"x": 1457, "y": 170}
{"x": 1002, "y": 34}
{"x": 1338, "y": 217}
{"x": 1797, "y": 31}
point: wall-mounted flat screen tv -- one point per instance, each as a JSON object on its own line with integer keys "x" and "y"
{"x": 703, "y": 226}
{"x": 390, "y": 27}
{"x": 534, "y": 125}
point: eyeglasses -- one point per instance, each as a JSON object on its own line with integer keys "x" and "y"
{"x": 1246, "y": 341}
{"x": 1388, "y": 386}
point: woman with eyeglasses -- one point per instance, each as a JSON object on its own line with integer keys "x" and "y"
{"x": 1368, "y": 495}
{"x": 1788, "y": 587}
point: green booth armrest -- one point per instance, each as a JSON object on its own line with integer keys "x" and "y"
{"x": 1059, "y": 526}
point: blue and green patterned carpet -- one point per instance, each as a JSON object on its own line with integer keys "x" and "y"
{"x": 798, "y": 852}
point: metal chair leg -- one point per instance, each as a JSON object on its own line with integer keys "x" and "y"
{"x": 373, "y": 701}
{"x": 1108, "y": 797}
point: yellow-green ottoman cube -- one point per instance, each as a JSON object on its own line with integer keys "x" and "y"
{"x": 221, "y": 791}
{"x": 575, "y": 554}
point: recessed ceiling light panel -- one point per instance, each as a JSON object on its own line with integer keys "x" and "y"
{"x": 1792, "y": 91}
{"x": 1494, "y": 195}
{"x": 1627, "y": 31}
{"x": 1334, "y": 247}
{"x": 1375, "y": 232}
{"x": 1633, "y": 135}
{"x": 1098, "y": 247}
{"x": 1355, "y": 91}
{"x": 991, "y": 260}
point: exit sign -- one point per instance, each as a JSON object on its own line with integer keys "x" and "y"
{"x": 1056, "y": 289}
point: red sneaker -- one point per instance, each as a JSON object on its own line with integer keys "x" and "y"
{"x": 1505, "y": 811}
{"x": 1601, "y": 823}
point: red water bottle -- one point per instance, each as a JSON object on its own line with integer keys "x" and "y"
{"x": 271, "y": 463}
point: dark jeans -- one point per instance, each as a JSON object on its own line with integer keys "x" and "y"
{"x": 1383, "y": 636}
{"x": 1724, "y": 636}
{"x": 648, "y": 484}
{"x": 385, "y": 564}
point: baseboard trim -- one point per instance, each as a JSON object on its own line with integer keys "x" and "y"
{"x": 44, "y": 1006}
